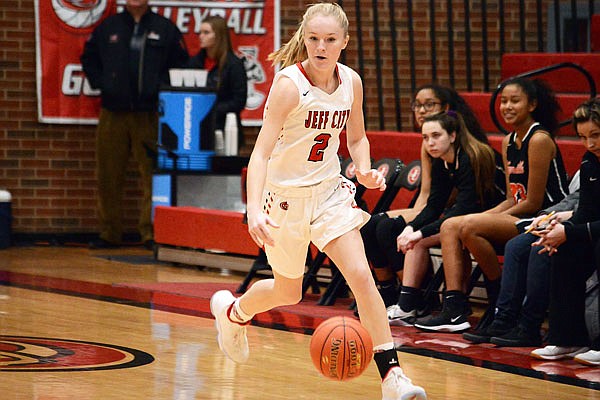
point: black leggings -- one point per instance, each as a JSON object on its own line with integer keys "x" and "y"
{"x": 379, "y": 236}
{"x": 596, "y": 342}
{"x": 571, "y": 266}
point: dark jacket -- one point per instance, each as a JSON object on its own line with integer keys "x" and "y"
{"x": 105, "y": 60}
{"x": 231, "y": 87}
{"x": 584, "y": 225}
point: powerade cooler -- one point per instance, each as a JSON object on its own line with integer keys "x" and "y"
{"x": 180, "y": 115}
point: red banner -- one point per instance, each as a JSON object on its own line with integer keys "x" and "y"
{"x": 62, "y": 27}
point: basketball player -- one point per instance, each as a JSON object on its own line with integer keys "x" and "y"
{"x": 296, "y": 194}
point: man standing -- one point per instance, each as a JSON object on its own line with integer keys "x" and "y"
{"x": 127, "y": 57}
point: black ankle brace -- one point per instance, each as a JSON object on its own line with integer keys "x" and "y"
{"x": 385, "y": 361}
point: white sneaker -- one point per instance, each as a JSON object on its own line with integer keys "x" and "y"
{"x": 397, "y": 386}
{"x": 398, "y": 317}
{"x": 591, "y": 357}
{"x": 230, "y": 335}
{"x": 557, "y": 352}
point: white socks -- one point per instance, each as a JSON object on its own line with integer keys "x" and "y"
{"x": 383, "y": 347}
{"x": 237, "y": 314}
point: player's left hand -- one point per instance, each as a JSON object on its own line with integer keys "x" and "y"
{"x": 371, "y": 179}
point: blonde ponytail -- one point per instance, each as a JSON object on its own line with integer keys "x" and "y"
{"x": 291, "y": 52}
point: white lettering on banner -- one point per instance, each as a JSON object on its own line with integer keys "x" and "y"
{"x": 244, "y": 21}
{"x": 74, "y": 83}
{"x": 199, "y": 16}
{"x": 183, "y": 19}
{"x": 247, "y": 22}
{"x": 187, "y": 123}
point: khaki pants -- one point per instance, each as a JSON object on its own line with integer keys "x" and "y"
{"x": 119, "y": 135}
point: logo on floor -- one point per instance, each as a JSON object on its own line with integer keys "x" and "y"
{"x": 21, "y": 353}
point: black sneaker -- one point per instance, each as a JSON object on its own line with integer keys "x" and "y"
{"x": 483, "y": 335}
{"x": 517, "y": 338}
{"x": 446, "y": 321}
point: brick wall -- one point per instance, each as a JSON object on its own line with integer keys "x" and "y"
{"x": 49, "y": 169}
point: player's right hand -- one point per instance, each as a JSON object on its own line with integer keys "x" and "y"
{"x": 371, "y": 179}
{"x": 258, "y": 227}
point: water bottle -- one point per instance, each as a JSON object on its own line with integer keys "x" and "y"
{"x": 231, "y": 135}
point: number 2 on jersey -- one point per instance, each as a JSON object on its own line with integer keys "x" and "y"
{"x": 318, "y": 149}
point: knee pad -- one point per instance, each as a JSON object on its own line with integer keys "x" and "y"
{"x": 386, "y": 233}
{"x": 371, "y": 225}
{"x": 368, "y": 233}
{"x": 390, "y": 227}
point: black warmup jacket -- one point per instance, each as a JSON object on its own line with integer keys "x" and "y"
{"x": 106, "y": 60}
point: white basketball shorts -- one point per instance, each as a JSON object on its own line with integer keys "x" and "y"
{"x": 317, "y": 214}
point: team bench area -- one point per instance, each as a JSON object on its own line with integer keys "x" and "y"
{"x": 216, "y": 238}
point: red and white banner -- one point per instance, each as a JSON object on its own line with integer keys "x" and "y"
{"x": 62, "y": 27}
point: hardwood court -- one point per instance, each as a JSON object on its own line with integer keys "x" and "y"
{"x": 77, "y": 324}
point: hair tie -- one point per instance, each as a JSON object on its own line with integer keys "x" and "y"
{"x": 452, "y": 113}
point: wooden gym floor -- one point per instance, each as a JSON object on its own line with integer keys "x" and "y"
{"x": 82, "y": 324}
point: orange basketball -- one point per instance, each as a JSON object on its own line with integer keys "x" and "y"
{"x": 341, "y": 348}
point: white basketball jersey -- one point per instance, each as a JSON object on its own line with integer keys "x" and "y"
{"x": 306, "y": 150}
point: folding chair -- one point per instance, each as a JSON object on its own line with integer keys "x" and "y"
{"x": 390, "y": 168}
{"x": 348, "y": 170}
{"x": 408, "y": 177}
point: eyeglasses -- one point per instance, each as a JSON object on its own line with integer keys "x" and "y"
{"x": 429, "y": 106}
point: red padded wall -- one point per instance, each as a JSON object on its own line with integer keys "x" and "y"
{"x": 201, "y": 228}
{"x": 564, "y": 80}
